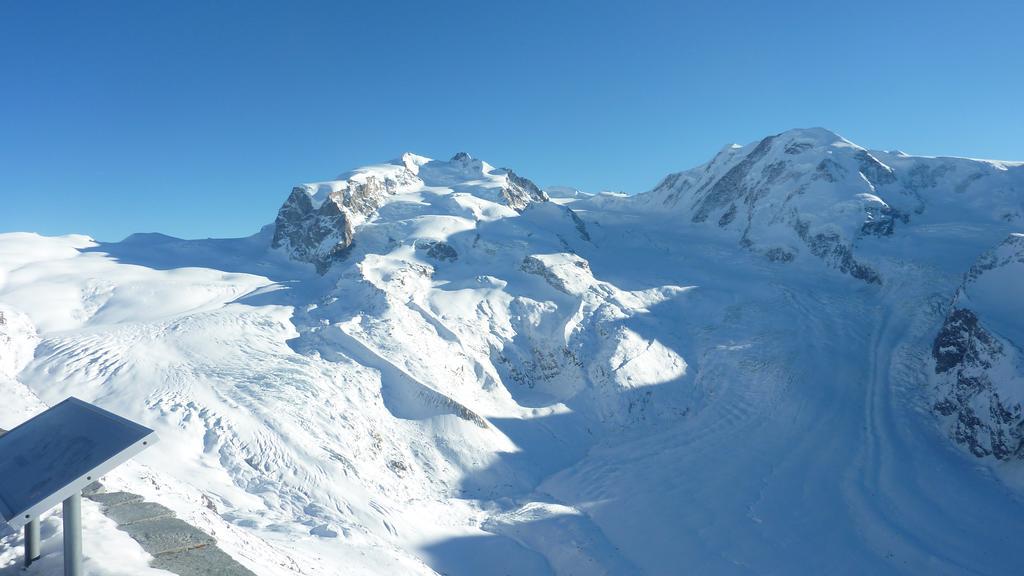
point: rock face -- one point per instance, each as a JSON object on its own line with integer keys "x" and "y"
{"x": 438, "y": 250}
{"x": 811, "y": 191}
{"x": 979, "y": 376}
{"x": 519, "y": 192}
{"x": 317, "y": 223}
{"x": 320, "y": 236}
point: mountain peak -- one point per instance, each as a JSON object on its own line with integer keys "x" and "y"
{"x": 412, "y": 161}
{"x": 793, "y": 141}
{"x": 800, "y": 140}
{"x": 463, "y": 163}
{"x": 811, "y": 191}
{"x": 317, "y": 223}
{"x": 816, "y": 133}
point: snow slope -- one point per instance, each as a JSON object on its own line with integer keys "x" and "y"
{"x": 445, "y": 372}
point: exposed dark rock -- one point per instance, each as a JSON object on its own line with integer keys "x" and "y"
{"x": 964, "y": 184}
{"x": 728, "y": 216}
{"x": 963, "y": 352}
{"x": 973, "y": 363}
{"x": 581, "y": 227}
{"x": 536, "y": 266}
{"x": 830, "y": 247}
{"x": 772, "y": 172}
{"x": 882, "y": 221}
{"x": 730, "y": 187}
{"x": 829, "y": 170}
{"x": 779, "y": 255}
{"x": 438, "y": 250}
{"x": 320, "y": 236}
{"x": 520, "y": 191}
{"x": 923, "y": 176}
{"x": 794, "y": 148}
{"x": 876, "y": 172}
{"x": 963, "y": 341}
{"x": 673, "y": 185}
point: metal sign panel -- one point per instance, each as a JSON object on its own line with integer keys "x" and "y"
{"x": 60, "y": 451}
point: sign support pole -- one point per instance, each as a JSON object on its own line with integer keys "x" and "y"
{"x": 31, "y": 541}
{"x": 73, "y": 535}
{"x": 43, "y": 463}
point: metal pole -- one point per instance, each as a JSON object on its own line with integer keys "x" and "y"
{"x": 31, "y": 541}
{"x": 73, "y": 535}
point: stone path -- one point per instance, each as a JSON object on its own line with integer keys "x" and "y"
{"x": 176, "y": 546}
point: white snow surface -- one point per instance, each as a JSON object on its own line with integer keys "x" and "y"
{"x": 633, "y": 393}
{"x": 994, "y": 288}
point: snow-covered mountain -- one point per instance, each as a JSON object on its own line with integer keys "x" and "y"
{"x": 812, "y": 191}
{"x": 435, "y": 367}
{"x": 316, "y": 223}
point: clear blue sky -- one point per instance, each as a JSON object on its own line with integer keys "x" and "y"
{"x": 196, "y": 118}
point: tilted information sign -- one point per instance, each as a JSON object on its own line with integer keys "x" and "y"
{"x": 55, "y": 454}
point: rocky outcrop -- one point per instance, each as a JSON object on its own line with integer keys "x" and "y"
{"x": 520, "y": 192}
{"x": 438, "y": 250}
{"x": 735, "y": 184}
{"x": 320, "y": 236}
{"x": 316, "y": 223}
{"x": 978, "y": 377}
{"x": 881, "y": 220}
{"x": 579, "y": 224}
{"x": 559, "y": 271}
{"x": 836, "y": 252}
{"x": 965, "y": 354}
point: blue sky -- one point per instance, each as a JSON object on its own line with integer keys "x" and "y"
{"x": 196, "y": 118}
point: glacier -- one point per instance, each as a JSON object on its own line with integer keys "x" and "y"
{"x": 765, "y": 364}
